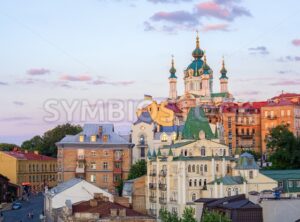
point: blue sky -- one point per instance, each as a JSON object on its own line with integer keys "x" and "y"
{"x": 107, "y": 49}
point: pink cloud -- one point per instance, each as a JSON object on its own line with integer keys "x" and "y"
{"x": 177, "y": 17}
{"x": 38, "y": 71}
{"x": 116, "y": 83}
{"x": 296, "y": 42}
{"x": 286, "y": 83}
{"x": 215, "y": 27}
{"x": 80, "y": 78}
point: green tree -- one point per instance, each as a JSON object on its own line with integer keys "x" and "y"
{"x": 119, "y": 187}
{"x": 283, "y": 148}
{"x": 212, "y": 216}
{"x": 46, "y": 144}
{"x": 188, "y": 215}
{"x": 137, "y": 169}
{"x": 166, "y": 216}
{"x": 7, "y": 146}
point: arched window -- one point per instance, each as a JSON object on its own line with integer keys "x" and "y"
{"x": 189, "y": 168}
{"x": 142, "y": 140}
{"x": 164, "y": 138}
{"x": 228, "y": 169}
{"x": 191, "y": 183}
{"x": 229, "y": 192}
{"x": 193, "y": 197}
{"x": 204, "y": 182}
{"x": 205, "y": 168}
{"x": 195, "y": 183}
{"x": 203, "y": 151}
{"x": 185, "y": 153}
{"x": 201, "y": 168}
{"x": 200, "y": 182}
{"x": 193, "y": 168}
{"x": 217, "y": 167}
{"x": 29, "y": 167}
{"x": 236, "y": 191}
{"x": 198, "y": 169}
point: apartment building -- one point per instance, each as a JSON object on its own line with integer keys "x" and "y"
{"x": 97, "y": 154}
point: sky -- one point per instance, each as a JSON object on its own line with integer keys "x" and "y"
{"x": 64, "y": 52}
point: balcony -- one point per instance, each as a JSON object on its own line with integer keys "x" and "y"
{"x": 162, "y": 186}
{"x": 152, "y": 212}
{"x": 173, "y": 200}
{"x": 245, "y": 136}
{"x": 163, "y": 173}
{"x": 80, "y": 157}
{"x": 271, "y": 117}
{"x": 152, "y": 186}
{"x": 117, "y": 170}
{"x": 247, "y": 123}
{"x": 118, "y": 159}
{"x": 163, "y": 200}
{"x": 152, "y": 173}
{"x": 152, "y": 199}
{"x": 80, "y": 170}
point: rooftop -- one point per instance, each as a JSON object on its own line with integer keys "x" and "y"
{"x": 282, "y": 174}
{"x": 23, "y": 155}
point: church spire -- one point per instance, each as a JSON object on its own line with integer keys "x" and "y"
{"x": 223, "y": 71}
{"x": 198, "y": 53}
{"x": 172, "y": 70}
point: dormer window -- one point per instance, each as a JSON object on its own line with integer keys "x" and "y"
{"x": 174, "y": 136}
{"x": 81, "y": 138}
{"x": 164, "y": 138}
{"x": 93, "y": 138}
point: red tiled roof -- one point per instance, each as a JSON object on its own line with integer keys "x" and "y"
{"x": 287, "y": 95}
{"x": 21, "y": 155}
{"x": 258, "y": 105}
{"x": 103, "y": 208}
{"x": 282, "y": 102}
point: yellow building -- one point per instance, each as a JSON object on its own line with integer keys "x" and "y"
{"x": 29, "y": 169}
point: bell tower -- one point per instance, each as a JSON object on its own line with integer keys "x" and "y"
{"x": 172, "y": 82}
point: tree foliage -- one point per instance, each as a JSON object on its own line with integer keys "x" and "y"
{"x": 213, "y": 216}
{"x": 166, "y": 216}
{"x": 46, "y": 144}
{"x": 7, "y": 146}
{"x": 284, "y": 148}
{"x": 137, "y": 169}
{"x": 188, "y": 215}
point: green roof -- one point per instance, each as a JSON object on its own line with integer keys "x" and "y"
{"x": 229, "y": 180}
{"x": 177, "y": 145}
{"x": 282, "y": 174}
{"x": 197, "y": 121}
{"x": 170, "y": 152}
{"x": 223, "y": 94}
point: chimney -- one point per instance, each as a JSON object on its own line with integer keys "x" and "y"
{"x": 93, "y": 203}
{"x": 122, "y": 212}
{"x": 36, "y": 152}
{"x": 113, "y": 212}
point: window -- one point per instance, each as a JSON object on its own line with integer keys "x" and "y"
{"x": 33, "y": 168}
{"x": 290, "y": 183}
{"x": 105, "y": 152}
{"x": 201, "y": 168}
{"x": 228, "y": 168}
{"x": 203, "y": 151}
{"x": 93, "y": 166}
{"x": 282, "y": 113}
{"x": 117, "y": 178}
{"x": 29, "y": 167}
{"x": 204, "y": 182}
{"x": 164, "y": 138}
{"x": 193, "y": 168}
{"x": 191, "y": 183}
{"x": 198, "y": 169}
{"x": 93, "y": 178}
{"x": 81, "y": 138}
{"x": 142, "y": 140}
{"x": 251, "y": 174}
{"x": 105, "y": 165}
{"x": 118, "y": 165}
{"x": 93, "y": 153}
{"x": 200, "y": 182}
{"x": 193, "y": 197}
{"x": 266, "y": 113}
{"x": 105, "y": 178}
{"x": 229, "y": 192}
{"x": 205, "y": 168}
{"x": 298, "y": 183}
{"x": 189, "y": 168}
{"x": 195, "y": 183}
{"x": 142, "y": 151}
{"x": 289, "y": 113}
{"x": 236, "y": 191}
{"x": 93, "y": 138}
{"x": 217, "y": 167}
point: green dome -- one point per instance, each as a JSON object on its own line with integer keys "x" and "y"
{"x": 198, "y": 53}
{"x": 223, "y": 71}
{"x": 172, "y": 70}
{"x": 206, "y": 68}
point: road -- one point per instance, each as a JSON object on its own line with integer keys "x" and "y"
{"x": 35, "y": 204}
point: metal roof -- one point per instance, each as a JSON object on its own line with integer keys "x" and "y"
{"x": 282, "y": 174}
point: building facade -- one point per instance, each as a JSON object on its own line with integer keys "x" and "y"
{"x": 97, "y": 154}
{"x": 29, "y": 170}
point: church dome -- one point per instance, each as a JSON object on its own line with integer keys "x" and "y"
{"x": 198, "y": 53}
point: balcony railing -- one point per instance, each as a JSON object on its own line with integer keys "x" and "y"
{"x": 162, "y": 186}
{"x": 246, "y": 136}
{"x": 152, "y": 186}
{"x": 117, "y": 170}
{"x": 118, "y": 159}
{"x": 152, "y": 173}
{"x": 163, "y": 173}
{"x": 163, "y": 200}
{"x": 173, "y": 200}
{"x": 152, "y": 212}
{"x": 152, "y": 199}
{"x": 80, "y": 170}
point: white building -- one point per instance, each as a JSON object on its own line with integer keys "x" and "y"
{"x": 72, "y": 191}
